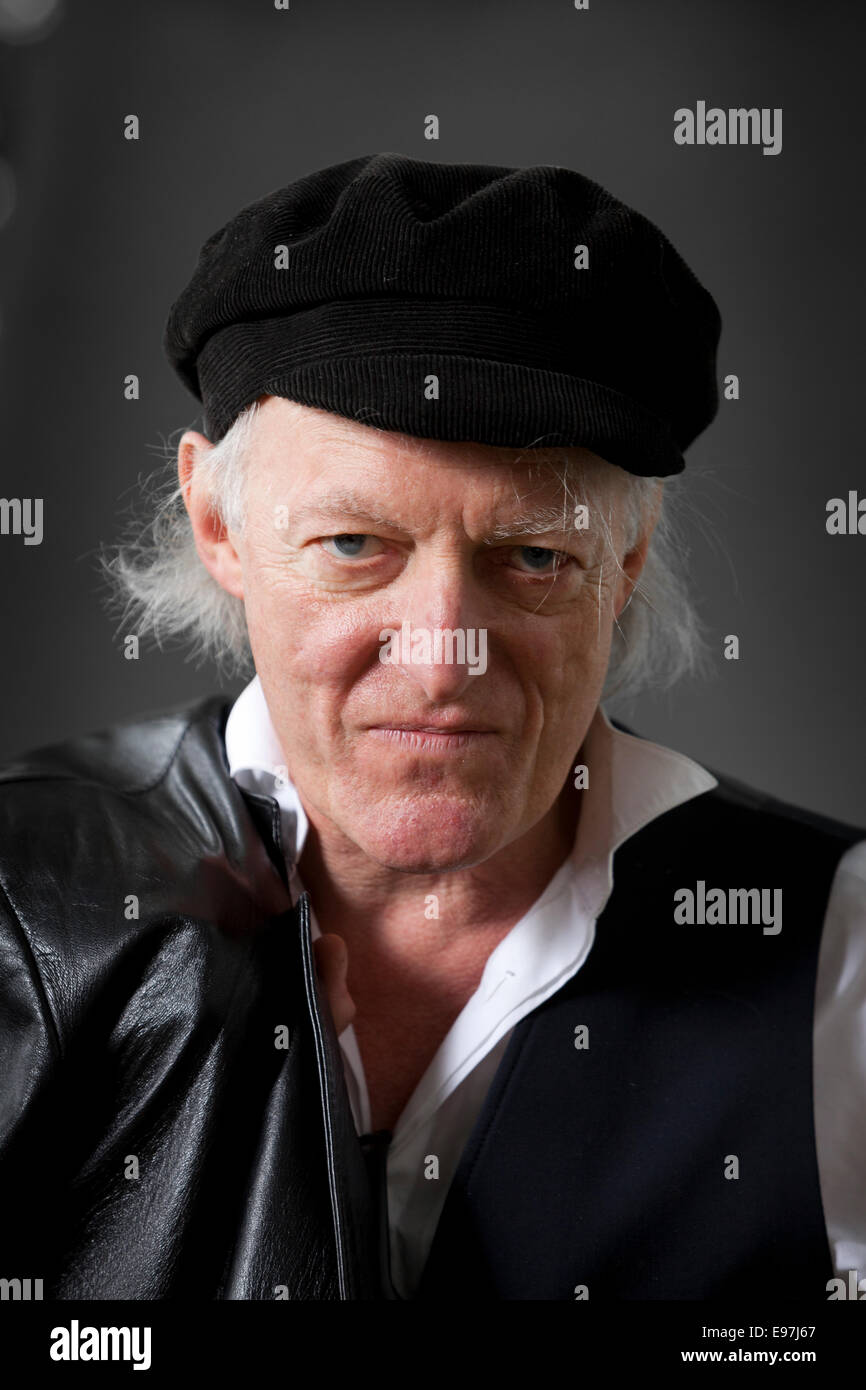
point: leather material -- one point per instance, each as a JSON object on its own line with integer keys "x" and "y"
{"x": 174, "y": 1121}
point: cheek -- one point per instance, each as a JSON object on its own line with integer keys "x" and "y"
{"x": 568, "y": 650}
{"x": 302, "y": 641}
{"x": 568, "y": 669}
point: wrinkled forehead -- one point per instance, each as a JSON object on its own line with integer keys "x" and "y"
{"x": 306, "y": 431}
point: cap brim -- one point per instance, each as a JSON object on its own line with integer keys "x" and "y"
{"x": 484, "y": 402}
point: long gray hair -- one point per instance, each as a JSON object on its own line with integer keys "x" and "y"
{"x": 161, "y": 589}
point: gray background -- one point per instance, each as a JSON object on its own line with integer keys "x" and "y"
{"x": 99, "y": 235}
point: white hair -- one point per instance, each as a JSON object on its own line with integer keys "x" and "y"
{"x": 161, "y": 589}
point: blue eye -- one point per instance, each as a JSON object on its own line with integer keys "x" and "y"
{"x": 349, "y": 545}
{"x": 539, "y": 556}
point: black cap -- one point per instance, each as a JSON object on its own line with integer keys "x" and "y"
{"x": 352, "y": 288}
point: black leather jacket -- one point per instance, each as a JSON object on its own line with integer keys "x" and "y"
{"x": 174, "y": 1121}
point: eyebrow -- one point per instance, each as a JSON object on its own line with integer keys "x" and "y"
{"x": 539, "y": 522}
{"x": 338, "y": 507}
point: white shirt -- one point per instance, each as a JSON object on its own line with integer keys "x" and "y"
{"x": 633, "y": 781}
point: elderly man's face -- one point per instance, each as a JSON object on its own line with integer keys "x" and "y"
{"x": 417, "y": 761}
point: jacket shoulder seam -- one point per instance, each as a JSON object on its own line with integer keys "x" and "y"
{"x": 29, "y": 957}
{"x": 134, "y": 790}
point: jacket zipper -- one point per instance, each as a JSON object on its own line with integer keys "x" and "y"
{"x": 343, "y": 1275}
{"x": 302, "y": 906}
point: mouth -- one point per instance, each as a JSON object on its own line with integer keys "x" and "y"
{"x": 442, "y": 727}
{"x": 439, "y": 738}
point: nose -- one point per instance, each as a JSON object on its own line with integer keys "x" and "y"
{"x": 442, "y": 647}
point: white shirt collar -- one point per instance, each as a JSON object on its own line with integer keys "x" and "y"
{"x": 257, "y": 763}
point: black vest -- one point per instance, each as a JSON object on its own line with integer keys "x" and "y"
{"x": 608, "y": 1171}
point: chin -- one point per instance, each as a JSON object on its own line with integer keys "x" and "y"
{"x": 430, "y": 834}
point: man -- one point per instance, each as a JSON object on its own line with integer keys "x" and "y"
{"x": 559, "y": 1044}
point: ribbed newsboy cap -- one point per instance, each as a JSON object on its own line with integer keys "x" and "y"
{"x": 520, "y": 307}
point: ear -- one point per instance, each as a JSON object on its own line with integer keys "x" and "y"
{"x": 216, "y": 551}
{"x": 634, "y": 561}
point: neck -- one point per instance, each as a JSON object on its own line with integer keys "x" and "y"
{"x": 410, "y": 972}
